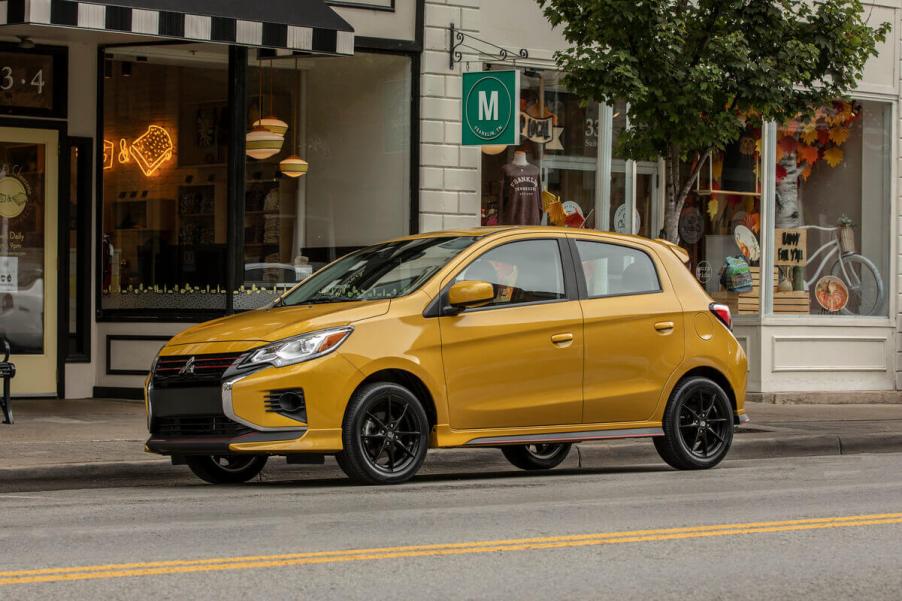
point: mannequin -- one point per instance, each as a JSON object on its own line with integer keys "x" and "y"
{"x": 521, "y": 190}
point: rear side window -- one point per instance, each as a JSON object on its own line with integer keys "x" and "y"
{"x": 614, "y": 270}
{"x": 528, "y": 271}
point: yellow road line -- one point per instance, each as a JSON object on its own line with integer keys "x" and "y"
{"x": 437, "y": 550}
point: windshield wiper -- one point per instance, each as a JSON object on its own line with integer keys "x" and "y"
{"x": 328, "y": 300}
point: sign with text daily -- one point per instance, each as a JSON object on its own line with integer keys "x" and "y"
{"x": 490, "y": 107}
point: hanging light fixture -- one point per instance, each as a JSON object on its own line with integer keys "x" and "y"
{"x": 262, "y": 143}
{"x": 272, "y": 123}
{"x": 493, "y": 149}
{"x": 295, "y": 166}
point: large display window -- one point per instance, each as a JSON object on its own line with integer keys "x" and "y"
{"x": 720, "y": 224}
{"x": 558, "y": 153}
{"x": 832, "y": 213}
{"x": 165, "y": 138}
{"x": 321, "y": 178}
{"x": 355, "y": 156}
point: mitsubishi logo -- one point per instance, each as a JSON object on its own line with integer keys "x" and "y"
{"x": 188, "y": 368}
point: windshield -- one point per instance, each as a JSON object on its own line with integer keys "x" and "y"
{"x": 383, "y": 271}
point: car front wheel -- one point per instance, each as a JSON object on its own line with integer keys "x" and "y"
{"x": 537, "y": 456}
{"x": 385, "y": 435}
{"x": 698, "y": 425}
{"x": 226, "y": 469}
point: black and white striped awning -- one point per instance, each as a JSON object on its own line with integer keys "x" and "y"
{"x": 293, "y": 25}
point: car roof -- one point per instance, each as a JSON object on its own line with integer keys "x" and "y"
{"x": 486, "y": 231}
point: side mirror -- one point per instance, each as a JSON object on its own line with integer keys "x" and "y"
{"x": 471, "y": 293}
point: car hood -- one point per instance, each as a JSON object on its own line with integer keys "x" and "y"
{"x": 269, "y": 325}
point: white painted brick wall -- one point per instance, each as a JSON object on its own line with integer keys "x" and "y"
{"x": 449, "y": 174}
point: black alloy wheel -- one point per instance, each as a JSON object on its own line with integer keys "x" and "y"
{"x": 542, "y": 456}
{"x": 226, "y": 469}
{"x": 698, "y": 425}
{"x": 385, "y": 435}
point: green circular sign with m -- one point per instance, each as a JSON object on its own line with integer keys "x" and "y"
{"x": 489, "y": 103}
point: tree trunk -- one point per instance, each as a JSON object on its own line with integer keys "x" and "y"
{"x": 789, "y": 205}
{"x": 677, "y": 192}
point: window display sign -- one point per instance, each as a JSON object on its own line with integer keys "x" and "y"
{"x": 490, "y": 108}
{"x": 9, "y": 274}
{"x": 32, "y": 82}
{"x": 792, "y": 246}
{"x": 541, "y": 131}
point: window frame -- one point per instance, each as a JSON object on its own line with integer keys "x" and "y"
{"x": 581, "y": 277}
{"x": 568, "y": 272}
{"x": 82, "y": 353}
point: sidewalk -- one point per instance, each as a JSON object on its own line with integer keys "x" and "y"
{"x": 104, "y": 439}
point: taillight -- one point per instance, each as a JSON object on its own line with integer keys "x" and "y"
{"x": 722, "y": 312}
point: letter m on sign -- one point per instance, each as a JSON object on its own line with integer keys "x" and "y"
{"x": 488, "y": 106}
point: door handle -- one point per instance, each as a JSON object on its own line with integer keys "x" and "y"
{"x": 664, "y": 326}
{"x": 562, "y": 339}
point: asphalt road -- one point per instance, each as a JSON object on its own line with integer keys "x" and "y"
{"x": 809, "y": 528}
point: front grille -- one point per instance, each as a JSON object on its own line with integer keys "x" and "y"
{"x": 198, "y": 425}
{"x": 190, "y": 369}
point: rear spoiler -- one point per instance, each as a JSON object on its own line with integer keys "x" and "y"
{"x": 681, "y": 253}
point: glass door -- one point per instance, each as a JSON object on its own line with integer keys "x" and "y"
{"x": 28, "y": 256}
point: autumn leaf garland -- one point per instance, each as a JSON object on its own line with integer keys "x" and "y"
{"x": 819, "y": 137}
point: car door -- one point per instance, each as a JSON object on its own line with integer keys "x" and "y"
{"x": 516, "y": 362}
{"x": 633, "y": 330}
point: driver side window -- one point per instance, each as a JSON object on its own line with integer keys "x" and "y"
{"x": 522, "y": 272}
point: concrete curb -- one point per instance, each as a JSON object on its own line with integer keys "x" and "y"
{"x": 460, "y": 461}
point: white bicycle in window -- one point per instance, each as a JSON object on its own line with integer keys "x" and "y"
{"x": 857, "y": 272}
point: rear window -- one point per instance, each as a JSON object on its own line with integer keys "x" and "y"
{"x": 614, "y": 270}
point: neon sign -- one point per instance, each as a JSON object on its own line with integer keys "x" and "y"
{"x": 150, "y": 151}
{"x": 109, "y": 158}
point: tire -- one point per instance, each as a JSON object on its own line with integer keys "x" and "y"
{"x": 698, "y": 426}
{"x": 865, "y": 285}
{"x": 537, "y": 456}
{"x": 385, "y": 435}
{"x": 226, "y": 469}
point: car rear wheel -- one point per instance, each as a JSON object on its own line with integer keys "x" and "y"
{"x": 698, "y": 425}
{"x": 226, "y": 469}
{"x": 537, "y": 456}
{"x": 385, "y": 435}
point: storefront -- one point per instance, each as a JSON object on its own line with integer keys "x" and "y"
{"x": 136, "y": 199}
{"x": 810, "y": 206}
{"x": 164, "y": 163}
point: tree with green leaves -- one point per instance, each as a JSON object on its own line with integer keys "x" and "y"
{"x": 696, "y": 73}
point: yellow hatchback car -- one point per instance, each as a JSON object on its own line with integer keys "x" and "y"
{"x": 523, "y": 339}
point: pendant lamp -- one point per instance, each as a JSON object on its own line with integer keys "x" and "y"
{"x": 493, "y": 149}
{"x": 273, "y": 124}
{"x": 262, "y": 143}
{"x": 295, "y": 166}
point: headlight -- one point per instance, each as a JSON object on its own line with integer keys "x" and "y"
{"x": 300, "y": 348}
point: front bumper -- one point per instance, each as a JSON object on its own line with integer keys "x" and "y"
{"x": 231, "y": 414}
{"x": 191, "y": 421}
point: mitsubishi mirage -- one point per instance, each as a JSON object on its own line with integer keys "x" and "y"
{"x": 525, "y": 340}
